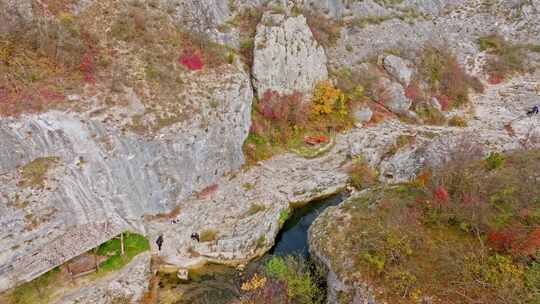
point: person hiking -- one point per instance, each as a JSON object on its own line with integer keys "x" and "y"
{"x": 195, "y": 237}
{"x": 534, "y": 111}
{"x": 159, "y": 242}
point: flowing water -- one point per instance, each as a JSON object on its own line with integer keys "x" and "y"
{"x": 216, "y": 284}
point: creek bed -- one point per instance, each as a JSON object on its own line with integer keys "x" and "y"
{"x": 217, "y": 284}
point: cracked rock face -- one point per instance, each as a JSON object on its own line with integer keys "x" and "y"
{"x": 286, "y": 56}
{"x": 392, "y": 95}
{"x": 399, "y": 68}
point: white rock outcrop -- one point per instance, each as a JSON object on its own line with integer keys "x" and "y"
{"x": 401, "y": 69}
{"x": 392, "y": 95}
{"x": 286, "y": 56}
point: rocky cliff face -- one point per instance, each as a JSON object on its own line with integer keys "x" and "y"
{"x": 102, "y": 173}
{"x": 287, "y": 58}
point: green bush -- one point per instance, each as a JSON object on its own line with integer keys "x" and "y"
{"x": 284, "y": 216}
{"x": 494, "y": 161}
{"x": 276, "y": 268}
{"x": 295, "y": 273}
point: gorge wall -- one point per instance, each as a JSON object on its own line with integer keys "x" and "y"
{"x": 146, "y": 132}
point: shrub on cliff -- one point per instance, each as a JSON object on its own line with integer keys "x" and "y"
{"x": 505, "y": 58}
{"x": 446, "y": 77}
{"x": 325, "y": 30}
{"x": 283, "y": 280}
{"x": 327, "y": 100}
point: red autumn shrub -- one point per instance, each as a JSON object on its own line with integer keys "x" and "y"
{"x": 191, "y": 60}
{"x": 531, "y": 243}
{"x": 414, "y": 93}
{"x": 467, "y": 199}
{"x": 285, "y": 110}
{"x": 441, "y": 195}
{"x": 87, "y": 67}
{"x": 494, "y": 79}
{"x": 206, "y": 192}
{"x": 444, "y": 101}
{"x": 257, "y": 128}
{"x": 501, "y": 240}
{"x": 48, "y": 95}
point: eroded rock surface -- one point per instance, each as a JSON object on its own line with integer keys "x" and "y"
{"x": 402, "y": 70}
{"x": 287, "y": 58}
{"x": 108, "y": 176}
{"x": 243, "y": 213}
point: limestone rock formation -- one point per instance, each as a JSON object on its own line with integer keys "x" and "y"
{"x": 392, "y": 95}
{"x": 103, "y": 172}
{"x": 286, "y": 56}
{"x": 363, "y": 114}
{"x": 339, "y": 284}
{"x": 399, "y": 68}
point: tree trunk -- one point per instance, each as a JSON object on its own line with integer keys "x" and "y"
{"x": 122, "y": 243}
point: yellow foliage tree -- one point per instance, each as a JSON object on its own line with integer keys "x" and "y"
{"x": 255, "y": 283}
{"x": 327, "y": 99}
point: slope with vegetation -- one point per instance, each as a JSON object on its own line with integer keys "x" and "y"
{"x": 466, "y": 233}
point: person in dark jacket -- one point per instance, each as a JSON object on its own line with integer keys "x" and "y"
{"x": 195, "y": 237}
{"x": 159, "y": 242}
{"x": 534, "y": 111}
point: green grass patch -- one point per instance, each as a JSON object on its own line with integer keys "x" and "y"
{"x": 36, "y": 291}
{"x": 133, "y": 245}
{"x": 283, "y": 216}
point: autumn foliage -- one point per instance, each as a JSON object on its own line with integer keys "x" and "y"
{"x": 283, "y": 109}
{"x": 441, "y": 195}
{"x": 191, "y": 60}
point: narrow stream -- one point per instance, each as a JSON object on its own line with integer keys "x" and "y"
{"x": 216, "y": 284}
{"x": 293, "y": 237}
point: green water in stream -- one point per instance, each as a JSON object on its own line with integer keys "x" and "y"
{"x": 216, "y": 284}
